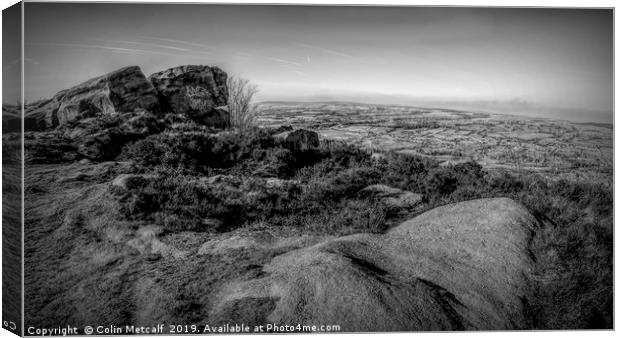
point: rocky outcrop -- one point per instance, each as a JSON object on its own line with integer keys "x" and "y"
{"x": 299, "y": 139}
{"x": 463, "y": 266}
{"x": 120, "y": 91}
{"x": 200, "y": 92}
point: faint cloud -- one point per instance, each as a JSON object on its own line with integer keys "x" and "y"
{"x": 326, "y": 50}
{"x": 99, "y": 47}
{"x": 148, "y": 44}
{"x": 183, "y": 42}
{"x": 283, "y": 61}
{"x": 291, "y": 66}
{"x": 242, "y": 55}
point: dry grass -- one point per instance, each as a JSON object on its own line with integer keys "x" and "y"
{"x": 11, "y": 232}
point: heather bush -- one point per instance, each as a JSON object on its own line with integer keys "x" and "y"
{"x": 180, "y": 204}
{"x": 104, "y": 145}
{"x": 344, "y": 218}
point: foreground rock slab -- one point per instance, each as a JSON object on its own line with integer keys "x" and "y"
{"x": 458, "y": 267}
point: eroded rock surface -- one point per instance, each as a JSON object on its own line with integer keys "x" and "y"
{"x": 461, "y": 266}
{"x": 198, "y": 92}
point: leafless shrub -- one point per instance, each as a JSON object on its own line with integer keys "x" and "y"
{"x": 240, "y": 93}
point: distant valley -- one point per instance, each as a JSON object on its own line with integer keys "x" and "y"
{"x": 554, "y": 148}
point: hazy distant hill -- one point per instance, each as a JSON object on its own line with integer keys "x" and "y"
{"x": 554, "y": 148}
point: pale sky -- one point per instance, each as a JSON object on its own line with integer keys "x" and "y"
{"x": 531, "y": 57}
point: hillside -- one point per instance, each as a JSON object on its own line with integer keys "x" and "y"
{"x": 152, "y": 209}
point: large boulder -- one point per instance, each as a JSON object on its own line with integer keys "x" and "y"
{"x": 463, "y": 266}
{"x": 199, "y": 92}
{"x": 120, "y": 91}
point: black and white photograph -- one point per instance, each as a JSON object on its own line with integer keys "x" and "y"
{"x": 219, "y": 168}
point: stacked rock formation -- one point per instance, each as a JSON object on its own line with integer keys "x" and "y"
{"x": 198, "y": 92}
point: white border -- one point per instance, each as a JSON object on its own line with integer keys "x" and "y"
{"x": 519, "y": 3}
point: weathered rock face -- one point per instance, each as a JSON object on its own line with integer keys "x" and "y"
{"x": 196, "y": 91}
{"x": 300, "y": 139}
{"x": 120, "y": 91}
{"x": 463, "y": 266}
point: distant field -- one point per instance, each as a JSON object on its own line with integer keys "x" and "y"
{"x": 554, "y": 148}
